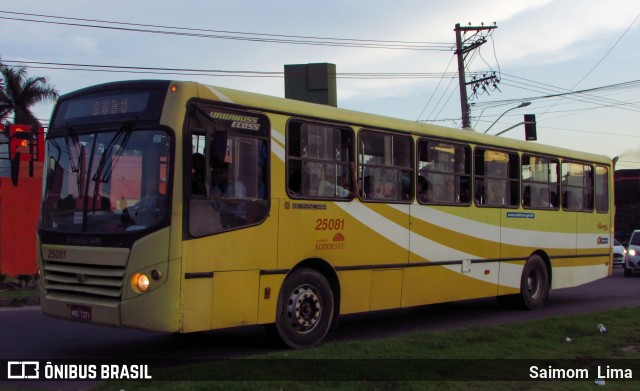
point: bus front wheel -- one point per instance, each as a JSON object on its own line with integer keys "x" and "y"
{"x": 305, "y": 309}
{"x": 534, "y": 283}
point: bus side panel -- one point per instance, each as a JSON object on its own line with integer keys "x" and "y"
{"x": 386, "y": 289}
{"x": 456, "y": 236}
{"x": 342, "y": 234}
{"x": 526, "y": 231}
{"x": 355, "y": 291}
{"x": 593, "y": 248}
{"x": 235, "y": 298}
{"x": 441, "y": 284}
{"x": 510, "y": 276}
{"x": 250, "y": 250}
{"x": 443, "y": 234}
{"x": 196, "y": 304}
{"x": 268, "y": 297}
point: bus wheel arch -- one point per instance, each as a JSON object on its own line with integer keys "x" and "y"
{"x": 307, "y": 304}
{"x": 535, "y": 282}
{"x": 324, "y": 268}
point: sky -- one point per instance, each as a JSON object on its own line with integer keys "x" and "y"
{"x": 585, "y": 50}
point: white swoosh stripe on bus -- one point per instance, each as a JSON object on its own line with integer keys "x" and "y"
{"x": 279, "y": 137}
{"x": 278, "y": 150}
{"x": 277, "y": 144}
{"x": 220, "y": 95}
{"x": 508, "y": 236}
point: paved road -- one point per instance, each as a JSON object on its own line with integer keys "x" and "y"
{"x": 27, "y": 334}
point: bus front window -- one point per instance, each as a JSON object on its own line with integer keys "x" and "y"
{"x": 106, "y": 182}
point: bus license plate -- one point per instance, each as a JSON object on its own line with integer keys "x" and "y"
{"x": 80, "y": 312}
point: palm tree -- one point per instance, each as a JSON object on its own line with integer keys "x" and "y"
{"x": 18, "y": 93}
{"x": 4, "y": 108}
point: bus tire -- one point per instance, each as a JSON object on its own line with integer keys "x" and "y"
{"x": 305, "y": 309}
{"x": 534, "y": 283}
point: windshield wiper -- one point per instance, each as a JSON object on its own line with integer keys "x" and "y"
{"x": 123, "y": 133}
{"x": 119, "y": 150}
{"x": 75, "y": 165}
{"x": 120, "y": 139}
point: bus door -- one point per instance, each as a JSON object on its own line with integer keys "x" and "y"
{"x": 228, "y": 236}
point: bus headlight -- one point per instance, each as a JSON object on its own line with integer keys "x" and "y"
{"x": 140, "y": 282}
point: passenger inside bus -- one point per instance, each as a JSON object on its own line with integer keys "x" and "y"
{"x": 424, "y": 193}
{"x": 229, "y": 189}
{"x": 405, "y": 177}
{"x": 370, "y": 188}
{"x": 223, "y": 187}
{"x": 346, "y": 186}
{"x": 526, "y": 196}
{"x": 198, "y": 174}
{"x": 148, "y": 211}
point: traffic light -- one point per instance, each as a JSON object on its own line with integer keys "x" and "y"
{"x": 19, "y": 139}
{"x": 530, "y": 127}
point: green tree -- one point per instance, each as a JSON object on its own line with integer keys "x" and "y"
{"x": 19, "y": 93}
{"x": 4, "y": 108}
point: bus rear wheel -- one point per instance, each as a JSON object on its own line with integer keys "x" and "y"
{"x": 534, "y": 283}
{"x": 305, "y": 309}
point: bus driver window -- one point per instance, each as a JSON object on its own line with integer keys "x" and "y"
{"x": 235, "y": 192}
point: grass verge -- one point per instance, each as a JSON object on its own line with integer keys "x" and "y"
{"x": 475, "y": 358}
{"x": 19, "y": 293}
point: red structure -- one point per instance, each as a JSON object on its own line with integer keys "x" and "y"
{"x": 20, "y": 204}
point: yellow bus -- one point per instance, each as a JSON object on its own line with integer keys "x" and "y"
{"x": 180, "y": 207}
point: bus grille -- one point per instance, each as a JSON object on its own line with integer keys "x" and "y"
{"x": 84, "y": 280}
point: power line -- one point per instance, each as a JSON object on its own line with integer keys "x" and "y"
{"x": 579, "y": 97}
{"x": 607, "y": 53}
{"x": 601, "y": 59}
{"x": 592, "y": 132}
{"x": 584, "y": 96}
{"x": 222, "y": 31}
{"x": 436, "y": 89}
{"x": 215, "y": 72}
{"x": 580, "y": 94}
{"x": 542, "y": 87}
{"x": 229, "y": 35}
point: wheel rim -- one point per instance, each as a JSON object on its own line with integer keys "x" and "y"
{"x": 304, "y": 309}
{"x": 533, "y": 284}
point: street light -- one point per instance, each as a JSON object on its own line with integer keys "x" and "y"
{"x": 523, "y": 104}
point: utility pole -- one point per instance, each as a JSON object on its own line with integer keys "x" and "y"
{"x": 461, "y": 51}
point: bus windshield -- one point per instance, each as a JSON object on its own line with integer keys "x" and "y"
{"x": 106, "y": 182}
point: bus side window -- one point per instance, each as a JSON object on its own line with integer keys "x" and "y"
{"x": 540, "y": 182}
{"x": 444, "y": 172}
{"x": 231, "y": 190}
{"x": 320, "y": 161}
{"x": 577, "y": 186}
{"x": 497, "y": 178}
{"x": 386, "y": 166}
{"x": 602, "y": 189}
